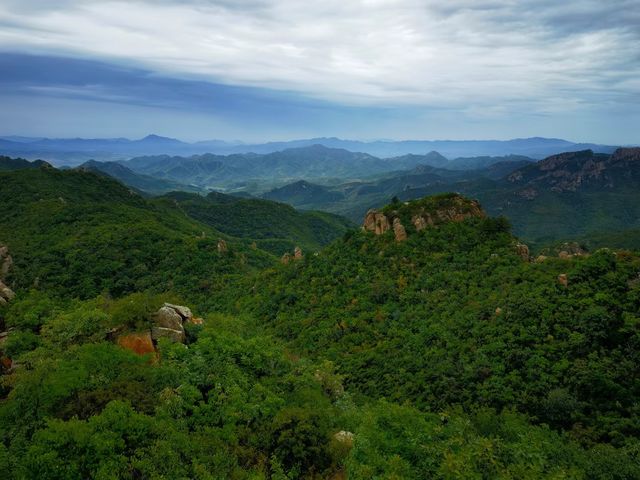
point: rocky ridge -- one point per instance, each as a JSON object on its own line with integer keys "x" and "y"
{"x": 418, "y": 215}
{"x": 574, "y": 171}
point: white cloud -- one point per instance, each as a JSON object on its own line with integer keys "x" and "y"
{"x": 473, "y": 55}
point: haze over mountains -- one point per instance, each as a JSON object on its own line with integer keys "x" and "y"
{"x": 73, "y": 151}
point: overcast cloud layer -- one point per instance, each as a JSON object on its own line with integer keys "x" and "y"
{"x": 476, "y": 61}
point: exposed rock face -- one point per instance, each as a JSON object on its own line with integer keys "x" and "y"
{"x": 139, "y": 343}
{"x": 376, "y": 222}
{"x": 297, "y": 253}
{"x": 169, "y": 322}
{"x": 420, "y": 222}
{"x": 523, "y": 251}
{"x": 6, "y": 294}
{"x": 222, "y": 246}
{"x": 575, "y": 171}
{"x": 184, "y": 312}
{"x": 398, "y": 230}
{"x": 430, "y": 211}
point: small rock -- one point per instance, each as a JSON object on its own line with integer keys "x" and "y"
{"x": 6, "y": 293}
{"x": 564, "y": 255}
{"x": 222, "y": 246}
{"x": 498, "y": 311}
{"x": 540, "y": 258}
{"x": 344, "y": 437}
{"x": 286, "y": 258}
{"x": 523, "y": 251}
{"x": 563, "y": 280}
{"x": 297, "y": 253}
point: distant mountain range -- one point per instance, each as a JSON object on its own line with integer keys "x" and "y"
{"x": 144, "y": 183}
{"x": 584, "y": 196}
{"x": 74, "y": 151}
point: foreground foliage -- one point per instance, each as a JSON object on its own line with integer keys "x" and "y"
{"x": 443, "y": 356}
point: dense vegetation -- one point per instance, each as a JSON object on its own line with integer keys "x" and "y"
{"x": 275, "y": 227}
{"x": 445, "y": 356}
{"x": 82, "y": 234}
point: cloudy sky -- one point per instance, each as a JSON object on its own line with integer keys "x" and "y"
{"x": 279, "y": 69}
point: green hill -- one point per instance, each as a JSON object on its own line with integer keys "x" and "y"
{"x": 144, "y": 183}
{"x": 454, "y": 316}
{"x": 8, "y": 164}
{"x": 82, "y": 234}
{"x": 275, "y": 227}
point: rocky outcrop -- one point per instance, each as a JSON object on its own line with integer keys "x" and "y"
{"x": 420, "y": 222}
{"x": 288, "y": 257}
{"x": 376, "y": 222}
{"x": 168, "y": 322}
{"x": 399, "y": 231}
{"x": 6, "y": 294}
{"x": 424, "y": 213}
{"x": 222, "y": 246}
{"x": 523, "y": 251}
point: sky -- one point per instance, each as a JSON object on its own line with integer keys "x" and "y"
{"x": 259, "y": 70}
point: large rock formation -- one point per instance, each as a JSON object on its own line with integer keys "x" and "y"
{"x": 424, "y": 213}
{"x": 376, "y": 222}
{"x": 168, "y": 322}
{"x": 399, "y": 231}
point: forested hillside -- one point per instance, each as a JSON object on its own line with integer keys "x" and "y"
{"x": 81, "y": 234}
{"x": 427, "y": 345}
{"x": 274, "y": 227}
